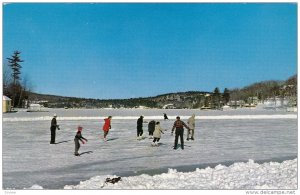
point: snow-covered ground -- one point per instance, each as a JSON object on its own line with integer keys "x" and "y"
{"x": 248, "y": 175}
{"x": 217, "y": 159}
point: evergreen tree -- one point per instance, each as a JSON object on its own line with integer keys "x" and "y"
{"x": 216, "y": 99}
{"x": 14, "y": 63}
{"x": 226, "y": 96}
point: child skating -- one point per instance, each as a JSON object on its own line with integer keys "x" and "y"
{"x": 78, "y": 137}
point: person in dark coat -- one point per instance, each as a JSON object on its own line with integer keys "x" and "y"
{"x": 53, "y": 128}
{"x": 165, "y": 116}
{"x": 178, "y": 124}
{"x": 140, "y": 127}
{"x": 151, "y": 128}
{"x": 78, "y": 137}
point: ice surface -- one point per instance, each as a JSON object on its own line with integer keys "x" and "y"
{"x": 221, "y": 137}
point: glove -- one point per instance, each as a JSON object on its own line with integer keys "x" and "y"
{"x": 83, "y": 142}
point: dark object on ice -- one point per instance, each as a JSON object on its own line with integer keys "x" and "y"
{"x": 62, "y": 142}
{"x": 88, "y": 152}
{"x": 111, "y": 139}
{"x": 151, "y": 127}
{"x": 165, "y": 116}
{"x": 112, "y": 180}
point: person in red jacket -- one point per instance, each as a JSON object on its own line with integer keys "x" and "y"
{"x": 106, "y": 126}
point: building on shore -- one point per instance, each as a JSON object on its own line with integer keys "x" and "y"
{"x": 6, "y": 104}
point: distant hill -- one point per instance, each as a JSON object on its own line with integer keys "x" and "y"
{"x": 179, "y": 100}
{"x": 189, "y": 99}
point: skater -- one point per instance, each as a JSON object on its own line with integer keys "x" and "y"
{"x": 157, "y": 134}
{"x": 191, "y": 124}
{"x": 140, "y": 127}
{"x": 78, "y": 137}
{"x": 165, "y": 116}
{"x": 151, "y": 128}
{"x": 106, "y": 126}
{"x": 53, "y": 128}
{"x": 178, "y": 124}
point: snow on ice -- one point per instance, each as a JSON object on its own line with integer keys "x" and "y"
{"x": 248, "y": 175}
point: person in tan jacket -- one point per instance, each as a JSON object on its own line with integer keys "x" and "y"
{"x": 191, "y": 124}
{"x": 157, "y": 134}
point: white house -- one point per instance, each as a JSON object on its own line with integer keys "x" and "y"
{"x": 34, "y": 108}
{"x": 169, "y": 106}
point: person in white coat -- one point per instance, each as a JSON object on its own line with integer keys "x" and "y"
{"x": 191, "y": 124}
{"x": 157, "y": 134}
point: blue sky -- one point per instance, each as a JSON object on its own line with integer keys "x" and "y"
{"x": 110, "y": 50}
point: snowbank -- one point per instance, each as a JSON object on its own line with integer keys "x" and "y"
{"x": 241, "y": 176}
{"x": 35, "y": 187}
{"x": 220, "y": 117}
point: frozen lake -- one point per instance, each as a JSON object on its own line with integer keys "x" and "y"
{"x": 221, "y": 137}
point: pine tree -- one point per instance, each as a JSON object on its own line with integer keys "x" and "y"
{"x": 216, "y": 98}
{"x": 226, "y": 95}
{"x": 14, "y": 63}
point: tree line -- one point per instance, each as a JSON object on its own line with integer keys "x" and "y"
{"x": 267, "y": 89}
